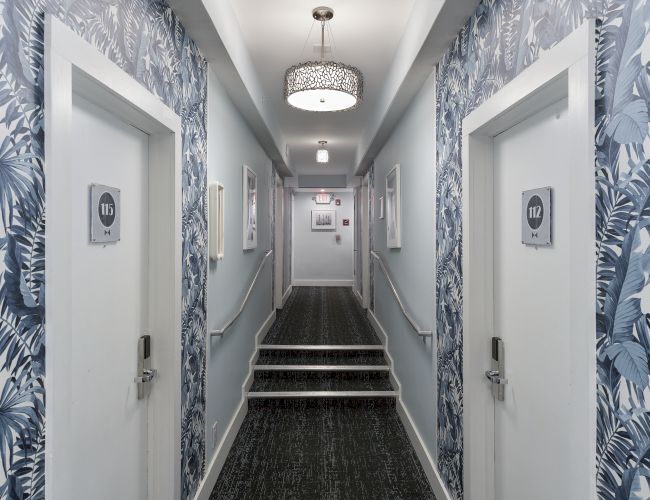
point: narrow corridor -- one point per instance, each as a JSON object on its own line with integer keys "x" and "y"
{"x": 322, "y": 419}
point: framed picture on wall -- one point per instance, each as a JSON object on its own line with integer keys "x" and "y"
{"x": 216, "y": 220}
{"x": 323, "y": 220}
{"x": 249, "y": 205}
{"x": 393, "y": 209}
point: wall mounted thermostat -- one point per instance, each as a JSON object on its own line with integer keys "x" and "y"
{"x": 536, "y": 217}
{"x": 104, "y": 214}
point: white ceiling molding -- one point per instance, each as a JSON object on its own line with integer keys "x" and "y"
{"x": 432, "y": 27}
{"x": 214, "y": 27}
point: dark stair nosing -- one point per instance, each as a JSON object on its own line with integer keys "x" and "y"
{"x": 323, "y": 368}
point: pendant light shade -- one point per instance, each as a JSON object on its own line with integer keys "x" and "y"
{"x": 322, "y": 155}
{"x": 323, "y": 85}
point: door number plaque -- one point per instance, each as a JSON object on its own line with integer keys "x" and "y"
{"x": 536, "y": 217}
{"x": 104, "y": 214}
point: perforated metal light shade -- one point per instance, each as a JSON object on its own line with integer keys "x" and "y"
{"x": 323, "y": 86}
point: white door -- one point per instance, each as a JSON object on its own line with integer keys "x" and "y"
{"x": 532, "y": 312}
{"x": 110, "y": 311}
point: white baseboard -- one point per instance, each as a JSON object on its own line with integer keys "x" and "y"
{"x": 286, "y": 295}
{"x": 358, "y": 296}
{"x": 428, "y": 464}
{"x": 322, "y": 282}
{"x": 219, "y": 457}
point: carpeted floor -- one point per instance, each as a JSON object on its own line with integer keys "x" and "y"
{"x": 322, "y": 450}
{"x": 324, "y": 316}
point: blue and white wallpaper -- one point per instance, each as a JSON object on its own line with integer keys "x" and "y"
{"x": 502, "y": 38}
{"x": 146, "y": 39}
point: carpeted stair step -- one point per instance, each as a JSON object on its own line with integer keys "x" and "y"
{"x": 321, "y": 357}
{"x": 320, "y": 380}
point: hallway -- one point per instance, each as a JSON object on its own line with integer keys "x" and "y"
{"x": 370, "y": 249}
{"x": 345, "y": 444}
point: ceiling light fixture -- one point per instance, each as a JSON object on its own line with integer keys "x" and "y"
{"x": 322, "y": 155}
{"x": 323, "y": 85}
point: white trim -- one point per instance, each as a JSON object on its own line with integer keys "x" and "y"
{"x": 365, "y": 241}
{"x": 567, "y": 70}
{"x": 293, "y": 235}
{"x": 428, "y": 464}
{"x": 308, "y": 282}
{"x": 286, "y": 295}
{"x": 223, "y": 448}
{"x": 278, "y": 254}
{"x": 74, "y": 66}
{"x": 359, "y": 298}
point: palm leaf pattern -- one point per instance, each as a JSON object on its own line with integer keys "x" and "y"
{"x": 502, "y": 38}
{"x": 146, "y": 39}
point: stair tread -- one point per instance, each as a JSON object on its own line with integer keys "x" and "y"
{"x": 322, "y": 358}
{"x": 320, "y": 394}
{"x": 322, "y": 368}
{"x": 323, "y": 347}
{"x": 278, "y": 381}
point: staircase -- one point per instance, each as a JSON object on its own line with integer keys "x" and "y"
{"x": 328, "y": 372}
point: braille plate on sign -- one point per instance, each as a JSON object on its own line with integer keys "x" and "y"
{"x": 536, "y": 216}
{"x": 105, "y": 216}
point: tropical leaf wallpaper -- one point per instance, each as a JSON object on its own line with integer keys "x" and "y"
{"x": 502, "y": 38}
{"x": 146, "y": 39}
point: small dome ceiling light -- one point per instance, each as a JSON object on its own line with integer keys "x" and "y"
{"x": 322, "y": 155}
{"x": 323, "y": 85}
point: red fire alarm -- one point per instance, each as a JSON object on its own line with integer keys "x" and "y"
{"x": 338, "y": 203}
{"x": 346, "y": 222}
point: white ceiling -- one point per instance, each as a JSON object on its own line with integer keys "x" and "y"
{"x": 366, "y": 35}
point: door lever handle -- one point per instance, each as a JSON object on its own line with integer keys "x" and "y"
{"x": 494, "y": 377}
{"x": 147, "y": 376}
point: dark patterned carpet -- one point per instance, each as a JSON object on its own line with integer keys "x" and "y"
{"x": 281, "y": 357}
{"x": 324, "y": 316}
{"x": 321, "y": 449}
{"x": 324, "y": 449}
{"x": 318, "y": 381}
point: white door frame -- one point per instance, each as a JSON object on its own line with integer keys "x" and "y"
{"x": 73, "y": 66}
{"x": 278, "y": 254}
{"x": 567, "y": 70}
{"x": 365, "y": 242}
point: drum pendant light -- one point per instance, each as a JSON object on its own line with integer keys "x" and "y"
{"x": 323, "y": 85}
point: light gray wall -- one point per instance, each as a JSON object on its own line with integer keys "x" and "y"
{"x": 316, "y": 254}
{"x": 412, "y": 145}
{"x": 231, "y": 145}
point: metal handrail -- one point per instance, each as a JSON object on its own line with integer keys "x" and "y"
{"x": 219, "y": 333}
{"x": 422, "y": 333}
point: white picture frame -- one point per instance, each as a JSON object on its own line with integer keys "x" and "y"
{"x": 393, "y": 208}
{"x": 216, "y": 220}
{"x": 323, "y": 220}
{"x": 249, "y": 206}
